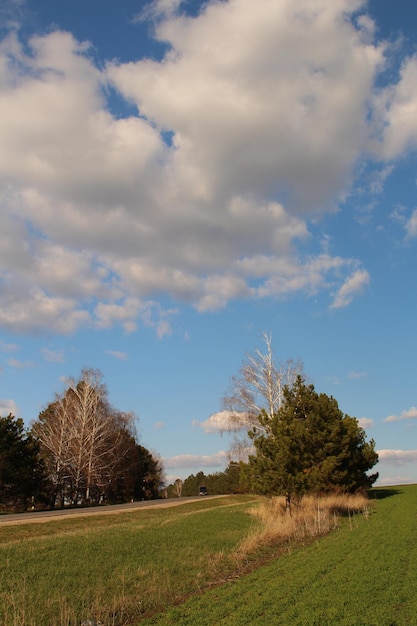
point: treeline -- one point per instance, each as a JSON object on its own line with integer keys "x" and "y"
{"x": 220, "y": 483}
{"x": 79, "y": 451}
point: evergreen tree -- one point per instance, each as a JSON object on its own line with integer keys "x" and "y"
{"x": 219, "y": 483}
{"x": 192, "y": 484}
{"x": 309, "y": 445}
{"x": 22, "y": 477}
{"x": 148, "y": 474}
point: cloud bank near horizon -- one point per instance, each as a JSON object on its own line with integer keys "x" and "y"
{"x": 184, "y": 461}
{"x": 397, "y": 457}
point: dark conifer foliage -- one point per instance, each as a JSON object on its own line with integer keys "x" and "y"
{"x": 310, "y": 446}
{"x": 22, "y": 476}
{"x": 219, "y": 483}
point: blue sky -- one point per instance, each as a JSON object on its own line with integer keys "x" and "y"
{"x": 177, "y": 178}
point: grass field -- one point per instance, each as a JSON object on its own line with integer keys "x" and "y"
{"x": 363, "y": 574}
{"x": 114, "y": 567}
{"x": 125, "y": 568}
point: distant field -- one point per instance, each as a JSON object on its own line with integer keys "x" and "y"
{"x": 127, "y": 568}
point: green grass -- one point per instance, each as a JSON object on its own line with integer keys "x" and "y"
{"x": 363, "y": 574}
{"x": 114, "y": 568}
{"x": 126, "y": 568}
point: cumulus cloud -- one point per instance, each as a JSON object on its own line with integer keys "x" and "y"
{"x": 353, "y": 285}
{"x": 129, "y": 311}
{"x": 158, "y": 9}
{"x": 409, "y": 414}
{"x": 7, "y": 407}
{"x": 218, "y": 422}
{"x": 250, "y": 126}
{"x": 365, "y": 422}
{"x": 397, "y": 457}
{"x": 193, "y": 460}
{"x": 397, "y": 107}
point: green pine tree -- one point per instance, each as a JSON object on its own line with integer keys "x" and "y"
{"x": 22, "y": 477}
{"x": 310, "y": 446}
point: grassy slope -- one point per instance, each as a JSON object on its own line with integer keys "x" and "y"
{"x": 361, "y": 575}
{"x": 110, "y": 567}
{"x": 62, "y": 572}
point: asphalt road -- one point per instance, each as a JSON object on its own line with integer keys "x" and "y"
{"x": 109, "y": 509}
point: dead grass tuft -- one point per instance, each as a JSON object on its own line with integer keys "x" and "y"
{"x": 311, "y": 517}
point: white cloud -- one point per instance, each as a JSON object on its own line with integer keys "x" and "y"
{"x": 34, "y": 309}
{"x": 397, "y": 457}
{"x": 409, "y": 414}
{"x": 54, "y": 356}
{"x": 352, "y": 286}
{"x": 159, "y": 8}
{"x": 357, "y": 375}
{"x": 196, "y": 461}
{"x": 19, "y": 364}
{"x": 7, "y": 407}
{"x": 251, "y": 111}
{"x": 395, "y": 480}
{"x": 268, "y": 108}
{"x": 411, "y": 225}
{"x": 218, "y": 422}
{"x": 124, "y": 312}
{"x": 128, "y": 311}
{"x": 397, "y": 108}
{"x": 288, "y": 275}
{"x": 365, "y": 422}
{"x": 159, "y": 425}
{"x": 409, "y": 222}
{"x": 8, "y": 347}
{"x": 122, "y": 356}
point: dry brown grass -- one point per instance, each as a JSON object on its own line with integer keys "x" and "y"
{"x": 311, "y": 517}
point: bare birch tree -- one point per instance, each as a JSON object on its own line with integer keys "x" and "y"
{"x": 53, "y": 431}
{"x": 259, "y": 386}
{"x": 98, "y": 434}
{"x": 178, "y": 487}
{"x": 90, "y": 428}
{"x": 84, "y": 438}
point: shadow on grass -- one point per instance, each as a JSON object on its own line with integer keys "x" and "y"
{"x": 380, "y": 493}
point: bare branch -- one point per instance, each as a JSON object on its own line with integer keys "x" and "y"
{"x": 258, "y": 387}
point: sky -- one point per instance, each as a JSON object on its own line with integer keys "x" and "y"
{"x": 178, "y": 178}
